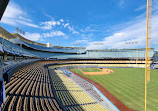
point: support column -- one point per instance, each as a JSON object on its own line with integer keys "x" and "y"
{"x": 15, "y": 57}
{"x": 5, "y": 56}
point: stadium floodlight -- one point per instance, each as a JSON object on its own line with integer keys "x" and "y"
{"x": 3, "y": 5}
{"x": 19, "y": 31}
{"x": 131, "y": 42}
{"x": 98, "y": 43}
{"x": 76, "y": 44}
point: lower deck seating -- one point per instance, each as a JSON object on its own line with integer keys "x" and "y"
{"x": 84, "y": 84}
{"x": 71, "y": 95}
{"x": 30, "y": 89}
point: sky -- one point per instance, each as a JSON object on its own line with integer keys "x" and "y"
{"x": 94, "y": 24}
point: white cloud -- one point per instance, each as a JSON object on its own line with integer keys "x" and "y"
{"x": 88, "y": 29}
{"x": 33, "y": 36}
{"x": 14, "y": 15}
{"x": 61, "y": 20}
{"x": 49, "y": 16}
{"x": 65, "y": 25}
{"x": 48, "y": 25}
{"x": 141, "y": 8}
{"x": 58, "y": 23}
{"x": 134, "y": 32}
{"x": 154, "y": 6}
{"x": 82, "y": 41}
{"x": 13, "y": 10}
{"x": 54, "y": 33}
{"x": 25, "y": 19}
{"x": 27, "y": 23}
{"x": 72, "y": 30}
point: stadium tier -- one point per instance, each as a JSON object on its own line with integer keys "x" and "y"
{"x": 11, "y": 48}
{"x": 48, "y": 49}
{"x": 21, "y": 41}
{"x": 14, "y": 49}
{"x": 18, "y": 45}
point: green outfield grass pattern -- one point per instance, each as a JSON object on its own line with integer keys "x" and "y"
{"x": 91, "y": 70}
{"x": 127, "y": 84}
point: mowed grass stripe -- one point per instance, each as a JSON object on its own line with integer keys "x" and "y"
{"x": 123, "y": 93}
{"x": 127, "y": 89}
{"x": 111, "y": 82}
{"x": 127, "y": 84}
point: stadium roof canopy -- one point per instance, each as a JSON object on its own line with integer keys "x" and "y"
{"x": 3, "y": 5}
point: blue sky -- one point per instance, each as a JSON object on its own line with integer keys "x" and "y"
{"x": 82, "y": 22}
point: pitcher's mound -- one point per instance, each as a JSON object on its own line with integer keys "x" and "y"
{"x": 101, "y": 72}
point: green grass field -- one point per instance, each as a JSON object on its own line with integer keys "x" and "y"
{"x": 127, "y": 84}
{"x": 91, "y": 70}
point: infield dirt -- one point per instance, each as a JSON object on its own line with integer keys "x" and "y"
{"x": 103, "y": 71}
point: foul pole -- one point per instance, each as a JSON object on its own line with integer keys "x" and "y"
{"x": 148, "y": 48}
